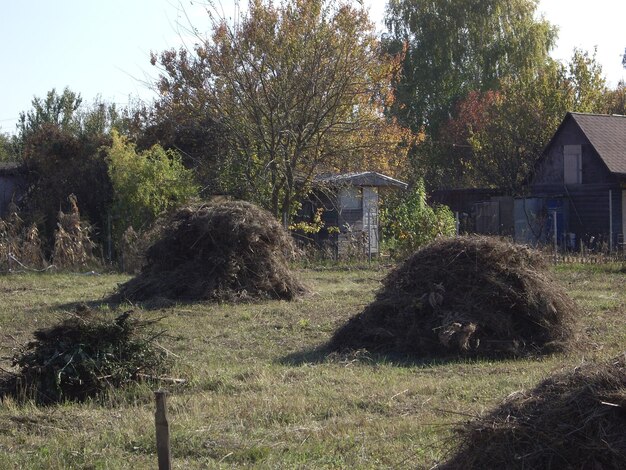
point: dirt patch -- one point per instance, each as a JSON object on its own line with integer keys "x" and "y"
{"x": 473, "y": 296}
{"x": 231, "y": 250}
{"x": 571, "y": 420}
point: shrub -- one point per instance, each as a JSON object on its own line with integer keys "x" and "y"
{"x": 408, "y": 222}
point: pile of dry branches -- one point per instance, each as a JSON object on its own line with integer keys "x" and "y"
{"x": 230, "y": 250}
{"x": 82, "y": 356}
{"x": 469, "y": 296}
{"x": 572, "y": 420}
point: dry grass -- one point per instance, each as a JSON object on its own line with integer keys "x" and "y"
{"x": 261, "y": 395}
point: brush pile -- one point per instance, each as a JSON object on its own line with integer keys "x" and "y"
{"x": 229, "y": 251}
{"x": 572, "y": 420}
{"x": 471, "y": 296}
{"x": 83, "y": 356}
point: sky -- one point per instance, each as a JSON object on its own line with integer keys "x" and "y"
{"x": 102, "y": 48}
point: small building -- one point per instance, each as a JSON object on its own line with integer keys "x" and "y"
{"x": 349, "y": 202}
{"x": 579, "y": 180}
{"x": 12, "y": 181}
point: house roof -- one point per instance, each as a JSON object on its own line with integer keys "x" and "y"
{"x": 364, "y": 178}
{"x": 607, "y": 134}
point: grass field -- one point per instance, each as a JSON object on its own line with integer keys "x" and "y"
{"x": 260, "y": 395}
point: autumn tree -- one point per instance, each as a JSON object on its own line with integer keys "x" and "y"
{"x": 616, "y": 99}
{"x": 298, "y": 87}
{"x": 495, "y": 138}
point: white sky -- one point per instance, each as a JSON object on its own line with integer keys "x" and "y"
{"x": 102, "y": 47}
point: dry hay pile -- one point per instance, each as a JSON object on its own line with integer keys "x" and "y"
{"x": 229, "y": 250}
{"x": 84, "y": 355}
{"x": 572, "y": 420}
{"x": 467, "y": 295}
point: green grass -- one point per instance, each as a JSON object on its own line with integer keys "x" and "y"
{"x": 260, "y": 395}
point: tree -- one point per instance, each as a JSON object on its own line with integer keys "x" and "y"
{"x": 456, "y": 46}
{"x": 293, "y": 85}
{"x": 6, "y": 148}
{"x": 59, "y": 141}
{"x": 616, "y": 99}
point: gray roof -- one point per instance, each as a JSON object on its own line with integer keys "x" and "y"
{"x": 607, "y": 134}
{"x": 364, "y": 178}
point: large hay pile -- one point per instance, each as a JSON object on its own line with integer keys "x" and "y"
{"x": 572, "y": 420}
{"x": 469, "y": 296}
{"x": 229, "y": 250}
{"x": 84, "y": 355}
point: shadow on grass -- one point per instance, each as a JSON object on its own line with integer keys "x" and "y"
{"x": 323, "y": 354}
{"x": 113, "y": 302}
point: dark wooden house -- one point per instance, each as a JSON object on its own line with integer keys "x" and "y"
{"x": 12, "y": 182}
{"x": 580, "y": 180}
{"x": 350, "y": 203}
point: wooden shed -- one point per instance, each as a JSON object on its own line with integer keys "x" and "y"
{"x": 12, "y": 181}
{"x": 349, "y": 201}
{"x": 581, "y": 179}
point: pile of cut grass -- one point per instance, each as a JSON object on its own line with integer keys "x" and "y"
{"x": 229, "y": 250}
{"x": 471, "y": 296}
{"x": 571, "y": 420}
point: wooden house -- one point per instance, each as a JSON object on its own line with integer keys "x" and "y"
{"x": 349, "y": 202}
{"x": 579, "y": 180}
{"x": 12, "y": 181}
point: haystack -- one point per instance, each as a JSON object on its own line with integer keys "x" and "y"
{"x": 469, "y": 296}
{"x": 572, "y": 420}
{"x": 230, "y": 250}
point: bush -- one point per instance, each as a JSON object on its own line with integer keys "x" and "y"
{"x": 145, "y": 184}
{"x": 408, "y": 222}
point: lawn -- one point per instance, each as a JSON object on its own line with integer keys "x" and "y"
{"x": 259, "y": 394}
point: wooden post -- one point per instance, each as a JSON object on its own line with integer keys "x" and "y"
{"x": 162, "y": 431}
{"x": 611, "y": 221}
{"x": 555, "y": 228}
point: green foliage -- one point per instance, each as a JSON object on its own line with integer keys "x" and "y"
{"x": 315, "y": 225}
{"x": 145, "y": 184}
{"x": 408, "y": 222}
{"x": 6, "y": 148}
{"x": 454, "y": 46}
{"x": 59, "y": 140}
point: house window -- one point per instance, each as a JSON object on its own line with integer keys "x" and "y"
{"x": 350, "y": 198}
{"x": 572, "y": 164}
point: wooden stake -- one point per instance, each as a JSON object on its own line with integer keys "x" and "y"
{"x": 162, "y": 431}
